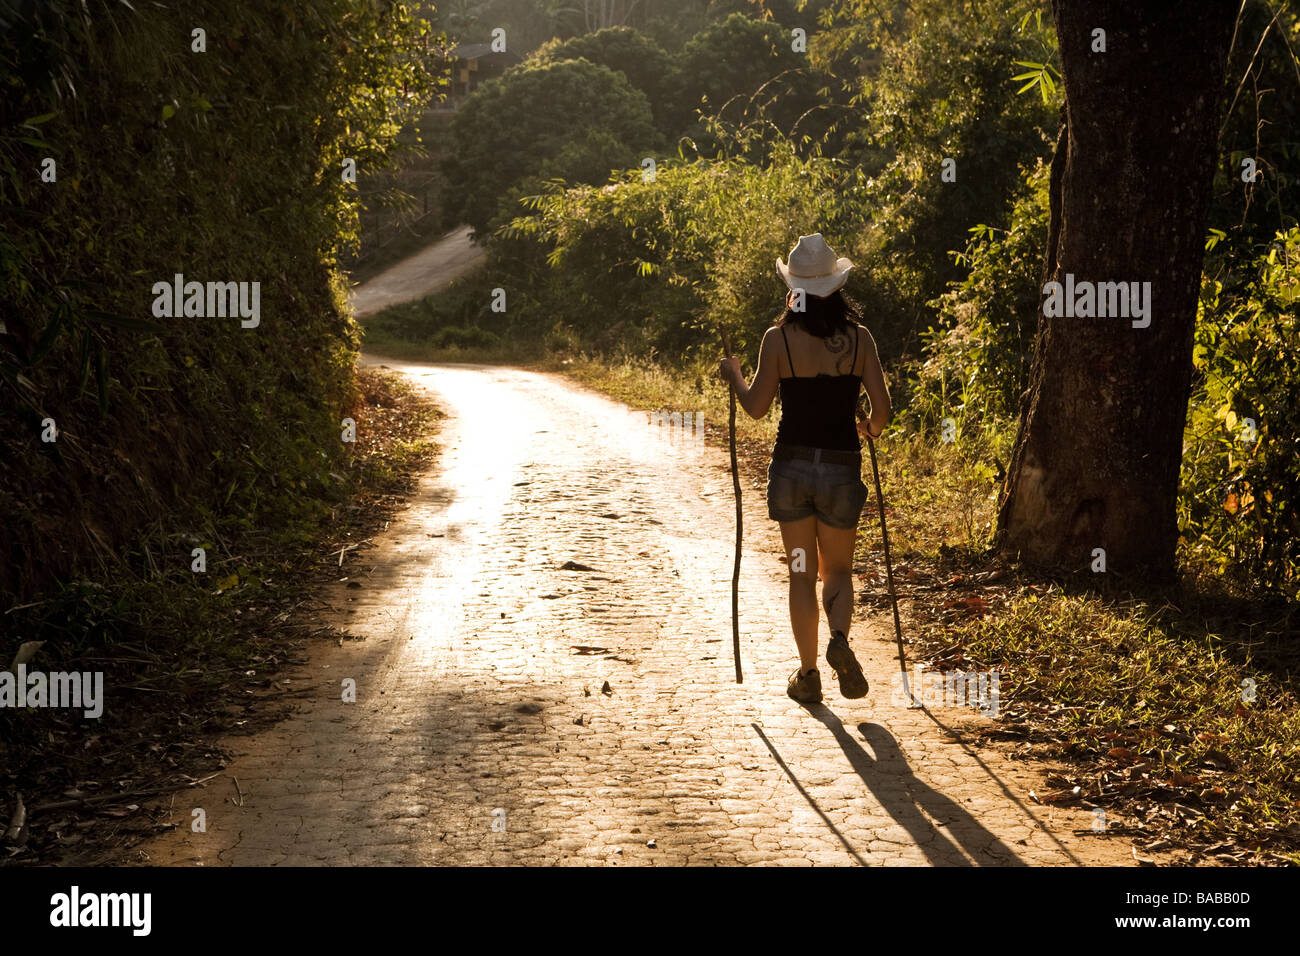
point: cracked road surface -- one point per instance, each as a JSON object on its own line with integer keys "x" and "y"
{"x": 482, "y": 731}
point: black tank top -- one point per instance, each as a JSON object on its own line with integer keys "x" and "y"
{"x": 818, "y": 411}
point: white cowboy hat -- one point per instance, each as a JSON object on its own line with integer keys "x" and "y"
{"x": 813, "y": 267}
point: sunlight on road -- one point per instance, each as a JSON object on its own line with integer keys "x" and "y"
{"x": 544, "y": 638}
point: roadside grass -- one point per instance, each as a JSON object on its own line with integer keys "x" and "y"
{"x": 940, "y": 497}
{"x": 450, "y": 326}
{"x": 381, "y": 339}
{"x": 648, "y": 385}
{"x": 186, "y": 656}
{"x": 1181, "y": 719}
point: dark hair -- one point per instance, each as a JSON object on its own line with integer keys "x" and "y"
{"x": 823, "y": 316}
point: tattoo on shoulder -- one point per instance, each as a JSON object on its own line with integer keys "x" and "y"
{"x": 838, "y": 345}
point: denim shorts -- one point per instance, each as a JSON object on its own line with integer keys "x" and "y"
{"x": 797, "y": 488}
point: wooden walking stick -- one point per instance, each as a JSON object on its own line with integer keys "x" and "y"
{"x": 735, "y": 484}
{"x": 889, "y": 573}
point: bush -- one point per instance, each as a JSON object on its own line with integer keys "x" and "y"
{"x": 944, "y": 91}
{"x": 464, "y": 337}
{"x": 642, "y": 61}
{"x": 733, "y": 60}
{"x": 512, "y": 129}
{"x": 1240, "y": 503}
{"x": 977, "y": 359}
{"x": 662, "y": 264}
{"x": 222, "y": 166}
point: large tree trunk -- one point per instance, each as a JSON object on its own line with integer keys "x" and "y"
{"x": 1096, "y": 461}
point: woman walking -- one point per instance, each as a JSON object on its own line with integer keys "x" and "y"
{"x": 819, "y": 357}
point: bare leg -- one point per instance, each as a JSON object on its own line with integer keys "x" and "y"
{"x": 836, "y": 565}
{"x": 801, "y": 536}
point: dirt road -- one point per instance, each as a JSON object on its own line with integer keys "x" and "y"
{"x": 481, "y": 732}
{"x": 426, "y": 272}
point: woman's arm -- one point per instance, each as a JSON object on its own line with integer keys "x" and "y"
{"x": 756, "y": 398}
{"x": 873, "y": 378}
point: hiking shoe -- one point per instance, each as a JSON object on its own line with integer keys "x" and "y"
{"x": 853, "y": 683}
{"x": 805, "y": 688}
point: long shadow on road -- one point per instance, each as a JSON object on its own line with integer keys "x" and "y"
{"x": 925, "y": 813}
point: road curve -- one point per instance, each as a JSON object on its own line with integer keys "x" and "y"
{"x": 483, "y": 732}
{"x": 418, "y": 275}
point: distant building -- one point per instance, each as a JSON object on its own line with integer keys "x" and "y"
{"x": 471, "y": 64}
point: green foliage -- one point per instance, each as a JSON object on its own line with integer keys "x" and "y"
{"x": 672, "y": 22}
{"x": 1264, "y": 92}
{"x": 644, "y": 63}
{"x": 566, "y": 118}
{"x": 944, "y": 91}
{"x": 1040, "y": 75}
{"x": 675, "y": 258}
{"x": 1125, "y": 684}
{"x": 1239, "y": 504}
{"x": 223, "y": 166}
{"x": 1240, "y": 507}
{"x": 528, "y": 23}
{"x": 1238, "y": 498}
{"x": 732, "y": 61}
{"x": 852, "y": 35}
{"x": 977, "y": 359}
{"x": 549, "y": 118}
